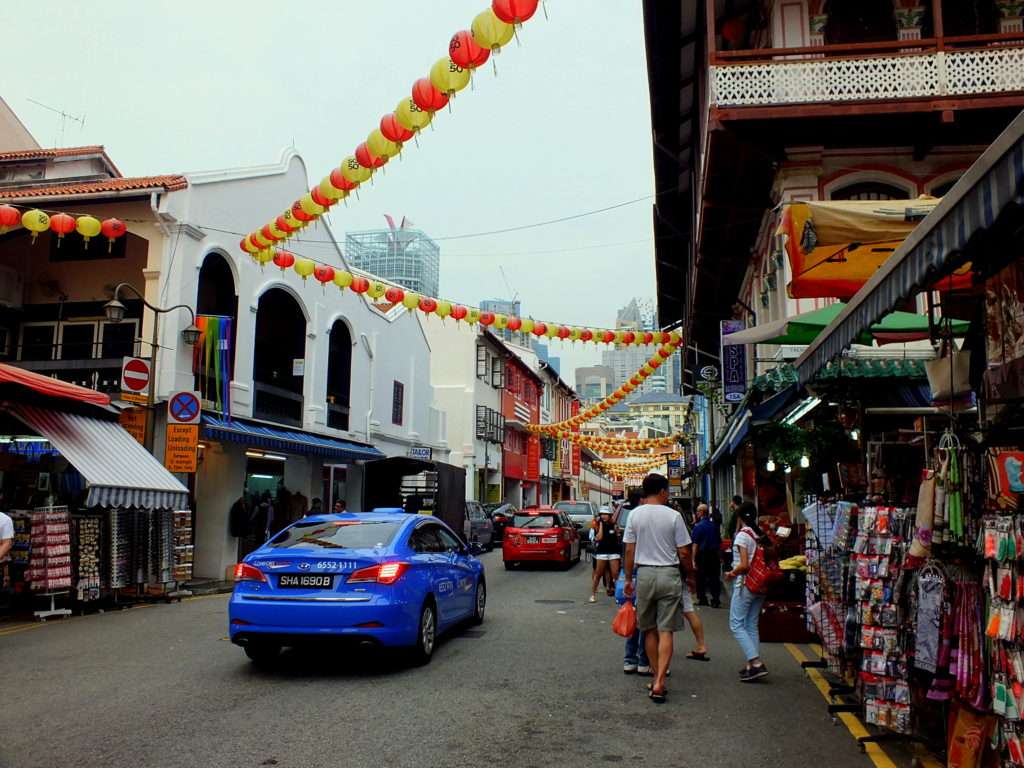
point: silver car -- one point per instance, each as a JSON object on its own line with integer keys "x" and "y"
{"x": 477, "y": 526}
{"x": 582, "y": 514}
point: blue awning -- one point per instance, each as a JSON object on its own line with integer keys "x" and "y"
{"x": 994, "y": 181}
{"x": 733, "y": 436}
{"x": 285, "y": 440}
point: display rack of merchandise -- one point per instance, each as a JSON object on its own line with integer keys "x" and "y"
{"x": 22, "y": 538}
{"x": 183, "y": 546}
{"x": 118, "y": 555}
{"x": 49, "y": 571}
{"x": 87, "y": 539}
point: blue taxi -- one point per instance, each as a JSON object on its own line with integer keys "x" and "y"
{"x": 384, "y": 577}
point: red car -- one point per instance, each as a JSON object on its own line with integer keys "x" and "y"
{"x": 541, "y": 534}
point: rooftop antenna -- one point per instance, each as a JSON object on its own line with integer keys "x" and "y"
{"x": 64, "y": 117}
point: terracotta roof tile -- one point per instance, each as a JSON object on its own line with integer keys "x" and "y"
{"x": 42, "y": 154}
{"x": 169, "y": 182}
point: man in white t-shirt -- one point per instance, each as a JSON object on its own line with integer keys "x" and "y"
{"x": 656, "y": 543}
{"x": 6, "y": 545}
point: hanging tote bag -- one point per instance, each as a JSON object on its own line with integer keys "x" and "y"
{"x": 949, "y": 375}
{"x": 624, "y": 623}
{"x": 764, "y": 568}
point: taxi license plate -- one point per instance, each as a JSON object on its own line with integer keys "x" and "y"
{"x": 305, "y": 581}
{"x": 532, "y": 539}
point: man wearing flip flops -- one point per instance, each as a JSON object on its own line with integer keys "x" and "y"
{"x": 656, "y": 543}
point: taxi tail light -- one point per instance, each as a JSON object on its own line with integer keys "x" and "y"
{"x": 246, "y": 572}
{"x": 384, "y": 573}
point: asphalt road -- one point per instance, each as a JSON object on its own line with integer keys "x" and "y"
{"x": 539, "y": 684}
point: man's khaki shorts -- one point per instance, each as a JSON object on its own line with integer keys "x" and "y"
{"x": 659, "y": 599}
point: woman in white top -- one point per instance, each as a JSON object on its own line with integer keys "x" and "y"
{"x": 745, "y": 606}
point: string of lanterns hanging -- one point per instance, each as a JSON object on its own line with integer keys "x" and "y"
{"x": 37, "y": 221}
{"x": 637, "y": 466}
{"x": 491, "y": 30}
{"x": 602, "y": 444}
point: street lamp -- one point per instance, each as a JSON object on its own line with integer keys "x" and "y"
{"x": 115, "y": 311}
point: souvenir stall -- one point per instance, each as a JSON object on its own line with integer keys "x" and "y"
{"x": 916, "y": 586}
{"x": 96, "y": 517}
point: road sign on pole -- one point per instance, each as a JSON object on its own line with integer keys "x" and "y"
{"x": 184, "y": 408}
{"x": 135, "y": 375}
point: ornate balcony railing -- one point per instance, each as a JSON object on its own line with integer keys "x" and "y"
{"x": 882, "y": 72}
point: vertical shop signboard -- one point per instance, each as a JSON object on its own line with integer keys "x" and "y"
{"x": 533, "y": 458}
{"x": 181, "y": 447}
{"x": 134, "y": 422}
{"x": 734, "y": 364}
{"x": 675, "y": 473}
{"x": 575, "y": 460}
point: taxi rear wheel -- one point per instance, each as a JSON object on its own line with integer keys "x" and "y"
{"x": 426, "y": 634}
{"x": 480, "y": 602}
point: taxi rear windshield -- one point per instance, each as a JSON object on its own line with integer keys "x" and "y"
{"x": 534, "y": 521}
{"x": 337, "y": 535}
{"x": 575, "y": 509}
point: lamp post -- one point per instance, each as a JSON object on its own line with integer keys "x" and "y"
{"x": 115, "y": 311}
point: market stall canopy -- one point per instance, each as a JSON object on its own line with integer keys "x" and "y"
{"x": 50, "y": 387}
{"x": 803, "y": 329}
{"x": 994, "y": 184}
{"x": 117, "y": 470}
{"x": 835, "y": 246}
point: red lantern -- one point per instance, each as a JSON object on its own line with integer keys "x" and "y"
{"x": 267, "y": 234}
{"x": 392, "y": 129}
{"x": 514, "y": 11}
{"x": 564, "y": 332}
{"x": 607, "y": 337}
{"x": 665, "y": 338}
{"x": 284, "y": 259}
{"x": 9, "y": 217}
{"x": 539, "y": 328}
{"x": 514, "y": 323}
{"x": 636, "y": 381}
{"x": 459, "y": 312}
{"x": 486, "y": 318}
{"x": 394, "y": 294}
{"x": 300, "y": 214}
{"x": 319, "y": 199}
{"x": 586, "y": 335}
{"x": 464, "y": 51}
{"x": 648, "y": 337}
{"x": 666, "y": 352}
{"x": 367, "y": 159}
{"x": 628, "y": 337}
{"x": 62, "y": 224}
{"x": 244, "y": 244}
{"x": 338, "y": 181}
{"x": 282, "y": 225}
{"x": 426, "y": 96}
{"x": 324, "y": 274}
{"x": 429, "y": 305}
{"x": 360, "y": 284}
{"x": 655, "y": 363}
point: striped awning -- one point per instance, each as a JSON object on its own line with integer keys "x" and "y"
{"x": 285, "y": 440}
{"x": 994, "y": 181}
{"x": 117, "y": 470}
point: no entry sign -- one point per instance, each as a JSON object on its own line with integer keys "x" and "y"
{"x": 135, "y": 375}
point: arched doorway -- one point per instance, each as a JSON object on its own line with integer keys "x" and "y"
{"x": 279, "y": 358}
{"x": 339, "y": 375}
{"x": 217, "y": 310}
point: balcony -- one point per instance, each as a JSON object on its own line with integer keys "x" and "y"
{"x": 935, "y": 69}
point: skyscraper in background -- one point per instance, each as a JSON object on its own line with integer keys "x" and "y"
{"x": 508, "y": 307}
{"x": 399, "y": 254}
{"x": 624, "y": 361}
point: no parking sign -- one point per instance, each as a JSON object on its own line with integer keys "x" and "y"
{"x": 182, "y": 444}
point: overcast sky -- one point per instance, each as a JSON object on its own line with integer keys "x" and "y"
{"x": 562, "y": 129}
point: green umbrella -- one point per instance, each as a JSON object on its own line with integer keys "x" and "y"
{"x": 802, "y": 329}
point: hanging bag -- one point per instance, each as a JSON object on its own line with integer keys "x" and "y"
{"x": 624, "y": 623}
{"x": 764, "y": 567}
{"x": 949, "y": 375}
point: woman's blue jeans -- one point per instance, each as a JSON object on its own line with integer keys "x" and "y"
{"x": 744, "y": 613}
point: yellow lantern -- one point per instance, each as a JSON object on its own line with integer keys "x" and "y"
{"x": 376, "y": 289}
{"x": 260, "y": 240}
{"x": 265, "y": 256}
{"x": 444, "y": 308}
{"x": 501, "y": 322}
{"x": 35, "y": 221}
{"x": 472, "y": 315}
{"x": 380, "y": 145}
{"x": 289, "y": 217}
{"x": 353, "y": 171}
{"x": 552, "y": 331}
{"x": 527, "y": 326}
{"x": 281, "y": 235}
{"x": 88, "y": 227}
{"x": 674, "y": 338}
{"x": 410, "y": 300}
{"x": 304, "y": 267}
{"x": 342, "y": 279}
{"x": 619, "y": 336}
{"x": 330, "y": 191}
{"x": 576, "y": 333}
{"x": 448, "y": 77}
{"x": 491, "y": 32}
{"x": 310, "y": 206}
{"x": 411, "y": 117}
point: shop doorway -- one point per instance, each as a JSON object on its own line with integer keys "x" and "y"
{"x": 264, "y": 479}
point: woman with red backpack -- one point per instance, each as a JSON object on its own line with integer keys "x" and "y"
{"x": 745, "y": 606}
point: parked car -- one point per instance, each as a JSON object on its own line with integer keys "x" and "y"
{"x": 477, "y": 526}
{"x": 501, "y": 515}
{"x": 383, "y": 577}
{"x": 582, "y": 513}
{"x": 541, "y": 534}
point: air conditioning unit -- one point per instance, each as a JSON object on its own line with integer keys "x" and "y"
{"x": 12, "y": 288}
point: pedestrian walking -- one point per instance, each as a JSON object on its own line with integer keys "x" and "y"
{"x": 634, "y": 660}
{"x": 339, "y": 507}
{"x": 656, "y": 543}
{"x": 607, "y": 556}
{"x": 745, "y": 607}
{"x": 707, "y": 543}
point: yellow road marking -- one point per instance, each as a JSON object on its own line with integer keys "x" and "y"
{"x": 21, "y": 628}
{"x": 853, "y": 725}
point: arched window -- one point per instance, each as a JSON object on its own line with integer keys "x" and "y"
{"x": 869, "y": 190}
{"x": 339, "y": 375}
{"x": 217, "y": 307}
{"x": 279, "y": 358}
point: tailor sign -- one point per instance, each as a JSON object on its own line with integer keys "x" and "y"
{"x": 734, "y": 364}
